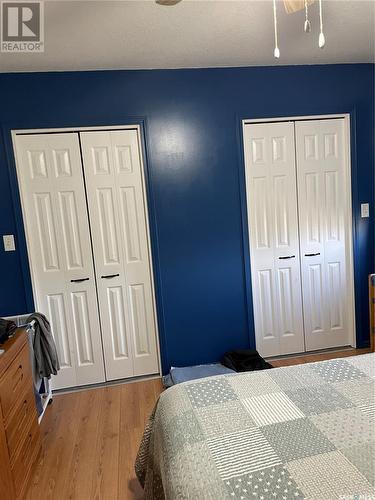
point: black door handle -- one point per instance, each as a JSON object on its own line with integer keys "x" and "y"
{"x": 79, "y": 280}
{"x": 312, "y": 254}
{"x": 110, "y": 276}
{"x": 287, "y": 257}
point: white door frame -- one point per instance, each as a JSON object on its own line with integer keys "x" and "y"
{"x": 15, "y": 132}
{"x": 349, "y": 208}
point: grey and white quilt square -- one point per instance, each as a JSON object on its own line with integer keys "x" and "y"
{"x": 305, "y": 431}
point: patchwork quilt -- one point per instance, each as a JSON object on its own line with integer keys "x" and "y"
{"x": 304, "y": 431}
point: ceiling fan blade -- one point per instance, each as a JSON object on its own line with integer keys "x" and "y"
{"x": 167, "y": 2}
{"x": 295, "y": 5}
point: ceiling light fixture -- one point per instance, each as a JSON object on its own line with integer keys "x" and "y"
{"x": 167, "y": 2}
{"x": 292, "y": 6}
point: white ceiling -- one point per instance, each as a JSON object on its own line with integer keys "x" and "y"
{"x": 84, "y": 35}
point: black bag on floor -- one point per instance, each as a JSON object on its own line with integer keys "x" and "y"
{"x": 244, "y": 360}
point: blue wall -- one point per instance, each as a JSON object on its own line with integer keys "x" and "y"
{"x": 196, "y": 183}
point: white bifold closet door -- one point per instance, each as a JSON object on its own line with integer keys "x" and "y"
{"x": 113, "y": 173}
{"x": 58, "y": 237}
{"x": 298, "y": 195}
{"x": 85, "y": 213}
{"x": 323, "y": 192}
{"x": 274, "y": 243}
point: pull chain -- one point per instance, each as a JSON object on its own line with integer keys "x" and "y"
{"x": 322, "y": 40}
{"x": 276, "y": 52}
{"x": 307, "y": 26}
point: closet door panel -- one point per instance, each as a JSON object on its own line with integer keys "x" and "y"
{"x": 56, "y": 221}
{"x": 315, "y": 291}
{"x": 266, "y": 305}
{"x": 119, "y": 336}
{"x": 70, "y": 228}
{"x": 49, "y": 259}
{"x": 108, "y": 230}
{"x": 274, "y": 239}
{"x": 322, "y": 191}
{"x": 55, "y": 307}
{"x": 82, "y": 327}
{"x": 286, "y": 298}
{"x": 116, "y": 328}
{"x": 117, "y": 200}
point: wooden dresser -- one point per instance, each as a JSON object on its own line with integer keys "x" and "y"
{"x": 20, "y": 441}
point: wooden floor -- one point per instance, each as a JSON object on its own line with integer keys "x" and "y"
{"x": 90, "y": 441}
{"x": 311, "y": 358}
{"x": 91, "y": 438}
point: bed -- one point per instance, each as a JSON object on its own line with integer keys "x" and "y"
{"x": 304, "y": 431}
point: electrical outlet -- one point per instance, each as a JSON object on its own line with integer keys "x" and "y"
{"x": 9, "y": 245}
{"x": 365, "y": 210}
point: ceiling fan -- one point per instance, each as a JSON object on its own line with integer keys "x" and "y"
{"x": 294, "y": 6}
{"x": 291, "y": 6}
{"x": 167, "y": 2}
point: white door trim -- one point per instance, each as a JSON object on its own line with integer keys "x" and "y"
{"x": 349, "y": 207}
{"x": 15, "y": 132}
{"x": 294, "y": 118}
{"x": 56, "y": 130}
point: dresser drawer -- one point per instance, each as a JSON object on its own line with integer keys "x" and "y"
{"x": 14, "y": 381}
{"x": 25, "y": 457}
{"x": 23, "y": 416}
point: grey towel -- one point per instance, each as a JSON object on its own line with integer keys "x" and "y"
{"x": 46, "y": 358}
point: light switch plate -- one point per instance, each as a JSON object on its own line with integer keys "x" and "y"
{"x": 365, "y": 210}
{"x": 9, "y": 245}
